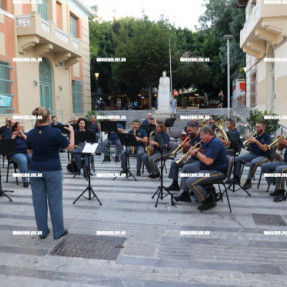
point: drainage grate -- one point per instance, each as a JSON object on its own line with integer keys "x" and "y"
{"x": 268, "y": 219}
{"x": 89, "y": 246}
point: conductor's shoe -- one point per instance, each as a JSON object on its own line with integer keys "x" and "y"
{"x": 63, "y": 234}
{"x": 123, "y": 171}
{"x": 44, "y": 235}
{"x": 26, "y": 184}
{"x": 247, "y": 184}
{"x": 173, "y": 187}
{"x": 107, "y": 158}
{"x": 184, "y": 196}
{"x": 117, "y": 159}
{"x": 138, "y": 173}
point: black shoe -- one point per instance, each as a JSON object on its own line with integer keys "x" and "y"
{"x": 276, "y": 192}
{"x": 235, "y": 180}
{"x": 281, "y": 196}
{"x": 173, "y": 187}
{"x": 155, "y": 175}
{"x": 26, "y": 184}
{"x": 138, "y": 173}
{"x": 1, "y": 193}
{"x": 107, "y": 158}
{"x": 205, "y": 205}
{"x": 150, "y": 175}
{"x": 117, "y": 159}
{"x": 123, "y": 171}
{"x": 184, "y": 196}
{"x": 63, "y": 234}
{"x": 247, "y": 184}
{"x": 44, "y": 236}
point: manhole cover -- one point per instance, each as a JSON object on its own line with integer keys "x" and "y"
{"x": 89, "y": 246}
{"x": 268, "y": 219}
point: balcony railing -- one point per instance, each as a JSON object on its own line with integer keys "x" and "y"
{"x": 33, "y": 24}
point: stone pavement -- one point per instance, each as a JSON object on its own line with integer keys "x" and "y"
{"x": 221, "y": 249}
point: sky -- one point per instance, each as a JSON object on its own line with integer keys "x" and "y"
{"x": 181, "y": 13}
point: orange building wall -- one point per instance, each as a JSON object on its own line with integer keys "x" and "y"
{"x": 9, "y": 31}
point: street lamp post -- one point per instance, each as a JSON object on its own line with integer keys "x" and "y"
{"x": 96, "y": 76}
{"x": 227, "y": 38}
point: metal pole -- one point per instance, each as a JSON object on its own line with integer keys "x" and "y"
{"x": 170, "y": 72}
{"x": 228, "y": 80}
{"x": 227, "y": 38}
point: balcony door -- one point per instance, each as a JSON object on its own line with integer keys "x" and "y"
{"x": 42, "y": 9}
{"x": 46, "y": 84}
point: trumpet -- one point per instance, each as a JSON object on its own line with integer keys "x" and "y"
{"x": 179, "y": 148}
{"x": 150, "y": 148}
{"x": 185, "y": 158}
{"x": 276, "y": 141}
{"x": 246, "y": 142}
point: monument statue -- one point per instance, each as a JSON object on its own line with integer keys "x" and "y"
{"x": 163, "y": 94}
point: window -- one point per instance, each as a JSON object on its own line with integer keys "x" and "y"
{"x": 73, "y": 25}
{"x": 59, "y": 14}
{"x": 77, "y": 88}
{"x": 5, "y": 88}
{"x": 43, "y": 9}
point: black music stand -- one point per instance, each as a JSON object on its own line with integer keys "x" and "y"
{"x": 169, "y": 122}
{"x": 161, "y": 188}
{"x": 93, "y": 147}
{"x": 109, "y": 127}
{"x": 236, "y": 145}
{"x": 127, "y": 140}
{"x": 7, "y": 146}
{"x": 80, "y": 137}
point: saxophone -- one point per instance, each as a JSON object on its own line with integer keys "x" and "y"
{"x": 150, "y": 148}
{"x": 133, "y": 149}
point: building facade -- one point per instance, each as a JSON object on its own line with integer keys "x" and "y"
{"x": 44, "y": 57}
{"x": 264, "y": 40}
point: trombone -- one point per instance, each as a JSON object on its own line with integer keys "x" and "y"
{"x": 185, "y": 158}
{"x": 179, "y": 148}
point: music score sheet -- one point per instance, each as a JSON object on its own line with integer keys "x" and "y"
{"x": 90, "y": 148}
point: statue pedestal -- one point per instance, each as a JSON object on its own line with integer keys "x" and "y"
{"x": 163, "y": 105}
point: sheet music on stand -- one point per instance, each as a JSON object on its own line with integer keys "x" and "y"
{"x": 90, "y": 148}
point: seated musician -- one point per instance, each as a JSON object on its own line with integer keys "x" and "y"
{"x": 20, "y": 155}
{"x": 55, "y": 121}
{"x": 193, "y": 133}
{"x": 212, "y": 120}
{"x": 142, "y": 139}
{"x": 81, "y": 127}
{"x": 213, "y": 164}
{"x": 7, "y": 133}
{"x": 230, "y": 124}
{"x": 192, "y": 121}
{"x": 146, "y": 121}
{"x": 259, "y": 154}
{"x": 95, "y": 127}
{"x": 159, "y": 136}
{"x": 279, "y": 167}
{"x": 113, "y": 139}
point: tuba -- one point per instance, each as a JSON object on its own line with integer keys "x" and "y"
{"x": 133, "y": 148}
{"x": 150, "y": 148}
{"x": 220, "y": 132}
